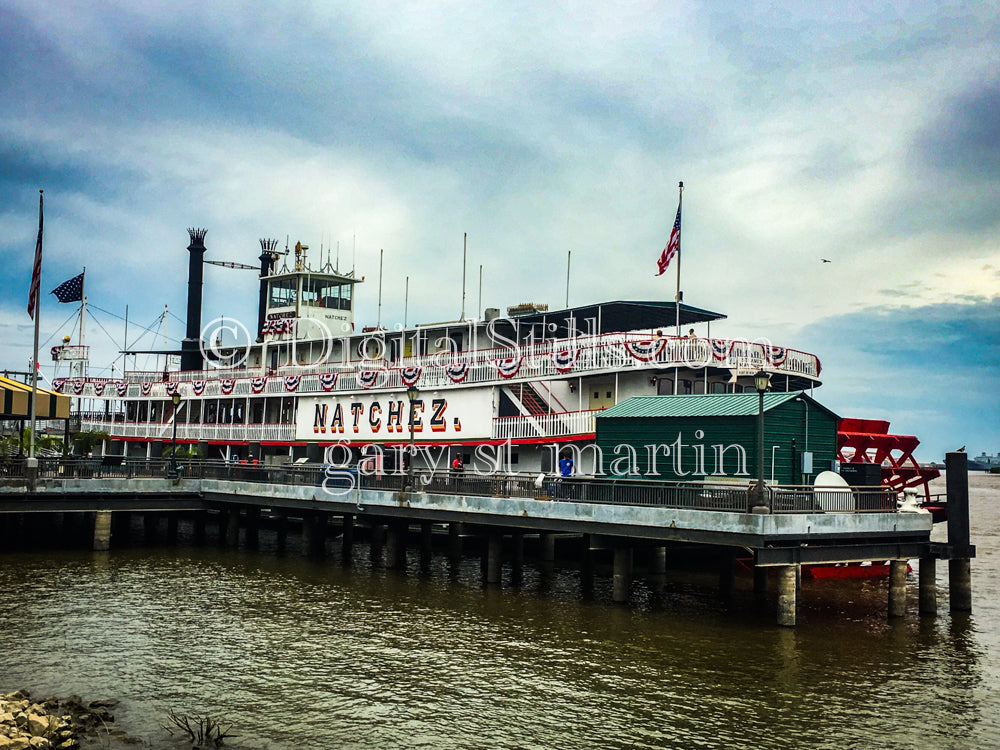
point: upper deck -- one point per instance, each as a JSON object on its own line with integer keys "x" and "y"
{"x": 569, "y": 358}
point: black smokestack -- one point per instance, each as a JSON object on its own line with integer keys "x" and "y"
{"x": 191, "y": 357}
{"x": 268, "y": 257}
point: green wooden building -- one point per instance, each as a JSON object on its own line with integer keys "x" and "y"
{"x": 686, "y": 438}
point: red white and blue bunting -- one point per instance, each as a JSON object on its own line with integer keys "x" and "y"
{"x": 279, "y": 326}
{"x": 78, "y": 386}
{"x": 457, "y": 371}
{"x": 170, "y": 388}
{"x": 198, "y": 386}
{"x": 409, "y": 375}
{"x": 57, "y": 384}
{"x": 121, "y": 389}
{"x": 257, "y": 384}
{"x": 508, "y": 366}
{"x": 328, "y": 380}
{"x": 645, "y": 351}
{"x": 291, "y": 382}
{"x": 776, "y": 355}
{"x": 145, "y": 388}
{"x": 99, "y": 387}
{"x": 721, "y": 349}
{"x": 565, "y": 359}
{"x": 227, "y": 385}
{"x": 368, "y": 378}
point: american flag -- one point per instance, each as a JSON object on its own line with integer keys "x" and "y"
{"x": 70, "y": 291}
{"x": 36, "y": 271}
{"x": 673, "y": 244}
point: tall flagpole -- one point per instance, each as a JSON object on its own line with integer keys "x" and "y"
{"x": 34, "y": 307}
{"x": 678, "y": 296}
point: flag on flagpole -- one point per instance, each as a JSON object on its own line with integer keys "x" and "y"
{"x": 673, "y": 245}
{"x": 36, "y": 271}
{"x": 70, "y": 291}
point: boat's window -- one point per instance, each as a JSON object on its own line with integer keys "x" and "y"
{"x": 283, "y": 293}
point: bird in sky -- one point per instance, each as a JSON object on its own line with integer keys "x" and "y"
{"x": 825, "y": 260}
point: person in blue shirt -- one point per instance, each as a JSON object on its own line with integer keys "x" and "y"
{"x": 566, "y": 466}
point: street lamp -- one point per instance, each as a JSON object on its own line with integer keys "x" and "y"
{"x": 411, "y": 393}
{"x": 761, "y": 381}
{"x": 174, "y": 473}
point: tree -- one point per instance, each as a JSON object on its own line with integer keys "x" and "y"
{"x": 183, "y": 451}
{"x": 85, "y": 442}
{"x": 14, "y": 445}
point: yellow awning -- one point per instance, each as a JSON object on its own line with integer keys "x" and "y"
{"x": 15, "y": 402}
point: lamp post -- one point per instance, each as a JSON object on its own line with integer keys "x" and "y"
{"x": 176, "y": 399}
{"x": 411, "y": 393}
{"x": 761, "y": 381}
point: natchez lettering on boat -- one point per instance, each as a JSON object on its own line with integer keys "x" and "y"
{"x": 387, "y": 417}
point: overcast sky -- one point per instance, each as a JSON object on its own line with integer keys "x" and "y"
{"x": 864, "y": 133}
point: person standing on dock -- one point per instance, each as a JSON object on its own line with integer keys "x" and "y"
{"x": 565, "y": 473}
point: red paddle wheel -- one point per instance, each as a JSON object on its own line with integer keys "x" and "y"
{"x": 869, "y": 441}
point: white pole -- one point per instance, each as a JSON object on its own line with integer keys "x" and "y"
{"x": 82, "y": 363}
{"x": 378, "y": 322}
{"x": 569, "y": 255}
{"x": 465, "y": 238}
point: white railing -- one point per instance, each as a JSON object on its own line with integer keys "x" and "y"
{"x": 561, "y": 424}
{"x": 194, "y": 431}
{"x": 579, "y": 356}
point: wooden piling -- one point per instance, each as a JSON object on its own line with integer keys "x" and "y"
{"x": 787, "y": 595}
{"x": 927, "y": 586}
{"x": 622, "y": 574}
{"x": 897, "y": 588}
{"x": 102, "y": 530}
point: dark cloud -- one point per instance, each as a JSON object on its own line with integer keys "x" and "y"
{"x": 936, "y": 366}
{"x": 965, "y": 139}
{"x": 954, "y": 161}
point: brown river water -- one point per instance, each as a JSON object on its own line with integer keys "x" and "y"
{"x": 300, "y": 653}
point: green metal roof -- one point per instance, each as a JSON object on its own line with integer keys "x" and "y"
{"x": 702, "y": 405}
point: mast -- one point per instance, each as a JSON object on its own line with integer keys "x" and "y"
{"x": 82, "y": 364}
{"x": 125, "y": 344}
{"x": 569, "y": 255}
{"x": 465, "y": 237}
{"x": 378, "y": 320}
{"x": 406, "y": 301}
